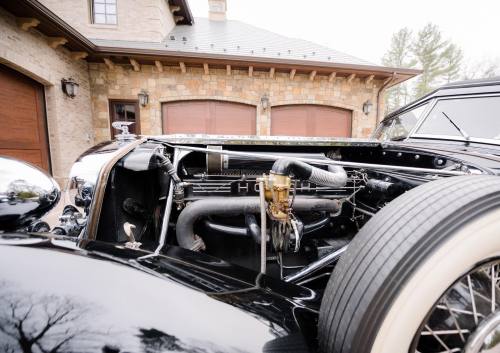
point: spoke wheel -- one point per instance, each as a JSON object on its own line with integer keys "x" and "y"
{"x": 469, "y": 309}
{"x": 405, "y": 282}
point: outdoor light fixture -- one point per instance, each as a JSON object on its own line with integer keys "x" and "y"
{"x": 367, "y": 107}
{"x": 69, "y": 87}
{"x": 143, "y": 97}
{"x": 264, "y": 101}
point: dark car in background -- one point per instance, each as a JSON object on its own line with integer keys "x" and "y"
{"x": 191, "y": 243}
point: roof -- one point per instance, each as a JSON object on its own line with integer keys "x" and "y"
{"x": 478, "y": 86}
{"x": 238, "y": 38}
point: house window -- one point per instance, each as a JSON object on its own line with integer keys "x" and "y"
{"x": 125, "y": 110}
{"x": 104, "y": 12}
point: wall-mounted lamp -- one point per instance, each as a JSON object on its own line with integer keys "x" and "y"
{"x": 143, "y": 97}
{"x": 367, "y": 107}
{"x": 69, "y": 87}
{"x": 264, "y": 101}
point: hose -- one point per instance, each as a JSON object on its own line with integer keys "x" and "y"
{"x": 334, "y": 177}
{"x": 235, "y": 206}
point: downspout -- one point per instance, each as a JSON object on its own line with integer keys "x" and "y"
{"x": 379, "y": 94}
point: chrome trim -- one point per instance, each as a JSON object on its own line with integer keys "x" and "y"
{"x": 477, "y": 340}
{"x": 95, "y": 208}
{"x": 457, "y": 138}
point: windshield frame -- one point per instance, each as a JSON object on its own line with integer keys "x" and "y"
{"x": 429, "y": 104}
{"x": 414, "y": 134}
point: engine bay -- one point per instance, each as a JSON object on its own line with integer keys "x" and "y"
{"x": 287, "y": 211}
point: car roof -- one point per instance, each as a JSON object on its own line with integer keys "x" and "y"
{"x": 488, "y": 85}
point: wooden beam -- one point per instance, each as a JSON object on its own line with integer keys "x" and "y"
{"x": 228, "y": 70}
{"x": 250, "y": 71}
{"x": 312, "y": 75}
{"x": 135, "y": 65}
{"x": 350, "y": 78}
{"x": 26, "y": 23}
{"x": 178, "y": 18}
{"x": 54, "y": 42}
{"x": 332, "y": 76}
{"x": 292, "y": 73}
{"x": 205, "y": 68}
{"x": 386, "y": 81}
{"x": 109, "y": 63}
{"x": 271, "y": 72}
{"x": 77, "y": 55}
{"x": 159, "y": 65}
{"x": 183, "y": 67}
{"x": 369, "y": 79}
{"x": 174, "y": 8}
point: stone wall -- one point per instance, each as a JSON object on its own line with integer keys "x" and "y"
{"x": 69, "y": 121}
{"x": 172, "y": 85}
{"x": 137, "y": 20}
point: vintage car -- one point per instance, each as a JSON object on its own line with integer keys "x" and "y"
{"x": 251, "y": 244}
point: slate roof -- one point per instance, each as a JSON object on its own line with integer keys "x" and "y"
{"x": 235, "y": 38}
{"x": 238, "y": 38}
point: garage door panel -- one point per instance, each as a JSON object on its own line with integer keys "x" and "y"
{"x": 234, "y": 119}
{"x": 337, "y": 122}
{"x": 310, "y": 120}
{"x": 290, "y": 121}
{"x": 208, "y": 117}
{"x": 22, "y": 115}
{"x": 179, "y": 120}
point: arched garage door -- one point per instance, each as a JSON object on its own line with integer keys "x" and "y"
{"x": 310, "y": 120}
{"x": 22, "y": 113}
{"x": 208, "y": 117}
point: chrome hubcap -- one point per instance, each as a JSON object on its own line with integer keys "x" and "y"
{"x": 486, "y": 338}
{"x": 467, "y": 317}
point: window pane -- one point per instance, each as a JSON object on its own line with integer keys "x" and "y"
{"x": 99, "y": 8}
{"x": 478, "y": 117}
{"x": 98, "y": 18}
{"x": 111, "y": 19}
{"x": 110, "y": 1}
{"x": 400, "y": 127}
{"x": 111, "y": 9}
{"x": 124, "y": 111}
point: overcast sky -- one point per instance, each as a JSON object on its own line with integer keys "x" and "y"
{"x": 363, "y": 28}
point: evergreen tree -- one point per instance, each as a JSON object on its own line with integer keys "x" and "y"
{"x": 428, "y": 49}
{"x": 398, "y": 55}
{"x": 452, "y": 57}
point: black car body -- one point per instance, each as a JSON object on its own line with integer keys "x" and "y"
{"x": 158, "y": 243}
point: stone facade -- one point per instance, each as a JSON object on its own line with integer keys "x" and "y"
{"x": 76, "y": 124}
{"x": 122, "y": 82}
{"x": 156, "y": 24}
{"x": 69, "y": 121}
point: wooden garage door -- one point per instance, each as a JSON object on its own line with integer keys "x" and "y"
{"x": 22, "y": 114}
{"x": 208, "y": 117}
{"x": 310, "y": 120}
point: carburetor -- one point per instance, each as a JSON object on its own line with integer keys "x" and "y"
{"x": 277, "y": 193}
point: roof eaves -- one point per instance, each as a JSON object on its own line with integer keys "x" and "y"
{"x": 112, "y": 50}
{"x": 50, "y": 22}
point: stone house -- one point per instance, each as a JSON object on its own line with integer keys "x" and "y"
{"x": 152, "y": 63}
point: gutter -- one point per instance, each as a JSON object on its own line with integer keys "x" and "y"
{"x": 379, "y": 94}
